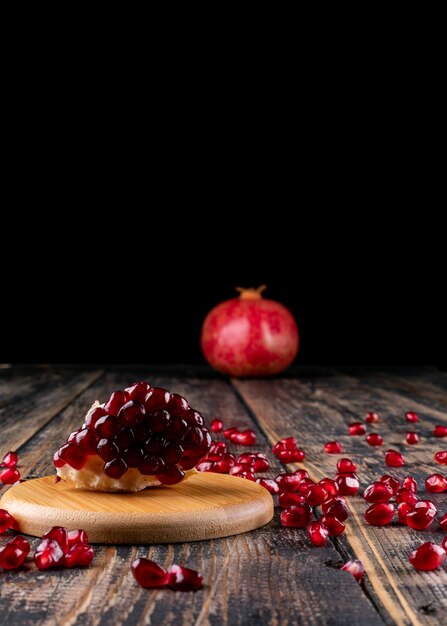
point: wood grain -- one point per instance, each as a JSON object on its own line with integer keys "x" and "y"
{"x": 205, "y": 506}
{"x": 318, "y": 409}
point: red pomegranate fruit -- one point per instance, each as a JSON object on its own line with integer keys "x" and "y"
{"x": 141, "y": 437}
{"x": 250, "y": 335}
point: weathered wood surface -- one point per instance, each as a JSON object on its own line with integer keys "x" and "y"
{"x": 269, "y": 576}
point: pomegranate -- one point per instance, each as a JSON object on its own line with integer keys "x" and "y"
{"x": 250, "y": 335}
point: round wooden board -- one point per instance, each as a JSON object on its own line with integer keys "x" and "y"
{"x": 205, "y": 506}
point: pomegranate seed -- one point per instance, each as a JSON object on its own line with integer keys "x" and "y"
{"x": 184, "y": 579}
{"x": 157, "y": 399}
{"x": 427, "y": 557}
{"x": 443, "y": 522}
{"x": 330, "y": 486}
{"x": 14, "y": 553}
{"x": 48, "y": 554}
{"x": 444, "y": 544}
{"x": 426, "y": 504}
{"x": 59, "y": 534}
{"x": 304, "y": 485}
{"x": 138, "y": 391}
{"x": 207, "y": 466}
{"x": 269, "y": 484}
{"x": 348, "y": 484}
{"x": 6, "y": 521}
{"x": 218, "y": 447}
{"x": 436, "y": 483}
{"x": 440, "y": 431}
{"x": 380, "y": 514}
{"x": 441, "y": 457}
{"x": 374, "y": 439}
{"x": 261, "y": 465}
{"x": 411, "y": 416}
{"x": 402, "y": 511}
{"x": 289, "y": 498}
{"x": 420, "y": 517}
{"x": 318, "y": 533}
{"x": 355, "y": 568}
{"x": 115, "y": 402}
{"x": 288, "y": 443}
{"x": 148, "y": 574}
{"x": 9, "y": 476}
{"x": 316, "y": 495}
{"x": 76, "y": 536}
{"x": 288, "y": 482}
{"x": 10, "y": 460}
{"x": 107, "y": 427}
{"x": 301, "y": 473}
{"x": 291, "y": 456}
{"x": 245, "y": 438}
{"x": 172, "y": 475}
{"x": 296, "y": 516}
{"x": 391, "y": 482}
{"x": 337, "y": 507}
{"x": 87, "y": 441}
{"x": 405, "y": 495}
{"x": 333, "y": 447}
{"x": 93, "y": 416}
{"x": 334, "y": 526}
{"x": 357, "y": 428}
{"x": 229, "y": 431}
{"x": 80, "y": 555}
{"x": 217, "y": 425}
{"x": 116, "y": 468}
{"x": 377, "y": 492}
{"x": 410, "y": 483}
{"x": 394, "y": 458}
{"x": 371, "y": 417}
{"x": 178, "y": 405}
{"x": 240, "y": 467}
{"x": 132, "y": 413}
{"x": 246, "y": 474}
{"x": 412, "y": 438}
{"x": 346, "y": 465}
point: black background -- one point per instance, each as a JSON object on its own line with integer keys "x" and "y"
{"x": 364, "y": 292}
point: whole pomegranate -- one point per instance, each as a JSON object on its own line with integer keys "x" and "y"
{"x": 250, "y": 335}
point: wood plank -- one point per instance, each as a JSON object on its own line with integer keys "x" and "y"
{"x": 29, "y": 405}
{"x": 318, "y": 409}
{"x": 269, "y": 576}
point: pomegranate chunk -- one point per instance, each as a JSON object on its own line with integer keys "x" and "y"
{"x": 427, "y": 557}
{"x": 441, "y": 457}
{"x": 6, "y": 521}
{"x": 377, "y": 492}
{"x": 440, "y": 431}
{"x": 394, "y": 458}
{"x": 372, "y": 417}
{"x": 412, "y": 438}
{"x": 148, "y": 574}
{"x": 10, "y": 460}
{"x": 296, "y": 516}
{"x": 374, "y": 439}
{"x": 333, "y": 447}
{"x": 411, "y": 416}
{"x": 184, "y": 579}
{"x": 436, "y": 483}
{"x": 318, "y": 533}
{"x": 217, "y": 425}
{"x": 48, "y": 554}
{"x": 9, "y": 476}
{"x": 357, "y": 428}
{"x": 355, "y": 568}
{"x": 14, "y": 553}
{"x": 380, "y": 514}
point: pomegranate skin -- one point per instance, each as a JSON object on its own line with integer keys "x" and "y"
{"x": 250, "y": 336}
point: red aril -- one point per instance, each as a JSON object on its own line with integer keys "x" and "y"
{"x": 334, "y": 526}
{"x": 411, "y": 416}
{"x": 316, "y": 494}
{"x": 405, "y": 495}
{"x": 443, "y": 522}
{"x": 260, "y": 465}
{"x": 291, "y": 456}
{"x": 444, "y": 544}
{"x": 371, "y": 417}
{"x": 427, "y": 557}
{"x": 377, "y": 492}
{"x": 296, "y": 516}
{"x": 80, "y": 555}
{"x": 76, "y": 536}
{"x": 9, "y": 475}
{"x": 6, "y": 521}
{"x": 289, "y": 498}
{"x": 374, "y": 439}
{"x": 304, "y": 485}
{"x": 148, "y": 574}
{"x": 410, "y": 483}
{"x": 59, "y": 534}
{"x": 336, "y": 506}
{"x": 440, "y": 431}
{"x": 286, "y": 443}
{"x": 244, "y": 438}
{"x": 184, "y": 579}
{"x": 269, "y": 484}
{"x": 333, "y": 447}
{"x": 441, "y": 457}
{"x": 421, "y": 516}
{"x": 289, "y": 482}
{"x": 357, "y": 428}
{"x": 346, "y": 465}
{"x": 248, "y": 475}
{"x": 393, "y": 458}
{"x": 302, "y": 474}
{"x": 348, "y": 484}
{"x": 48, "y": 554}
{"x": 436, "y": 483}
{"x": 318, "y": 533}
{"x": 14, "y": 553}
{"x": 402, "y": 511}
{"x": 355, "y": 568}
{"x": 380, "y": 514}
{"x": 10, "y": 460}
{"x": 412, "y": 438}
{"x": 217, "y": 425}
{"x": 229, "y": 431}
{"x": 330, "y": 486}
{"x": 249, "y": 336}
{"x": 392, "y": 482}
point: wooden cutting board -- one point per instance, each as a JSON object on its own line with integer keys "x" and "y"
{"x": 205, "y": 506}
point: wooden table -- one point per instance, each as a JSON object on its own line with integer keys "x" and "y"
{"x": 270, "y": 576}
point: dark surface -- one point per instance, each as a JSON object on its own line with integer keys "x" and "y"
{"x": 265, "y": 577}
